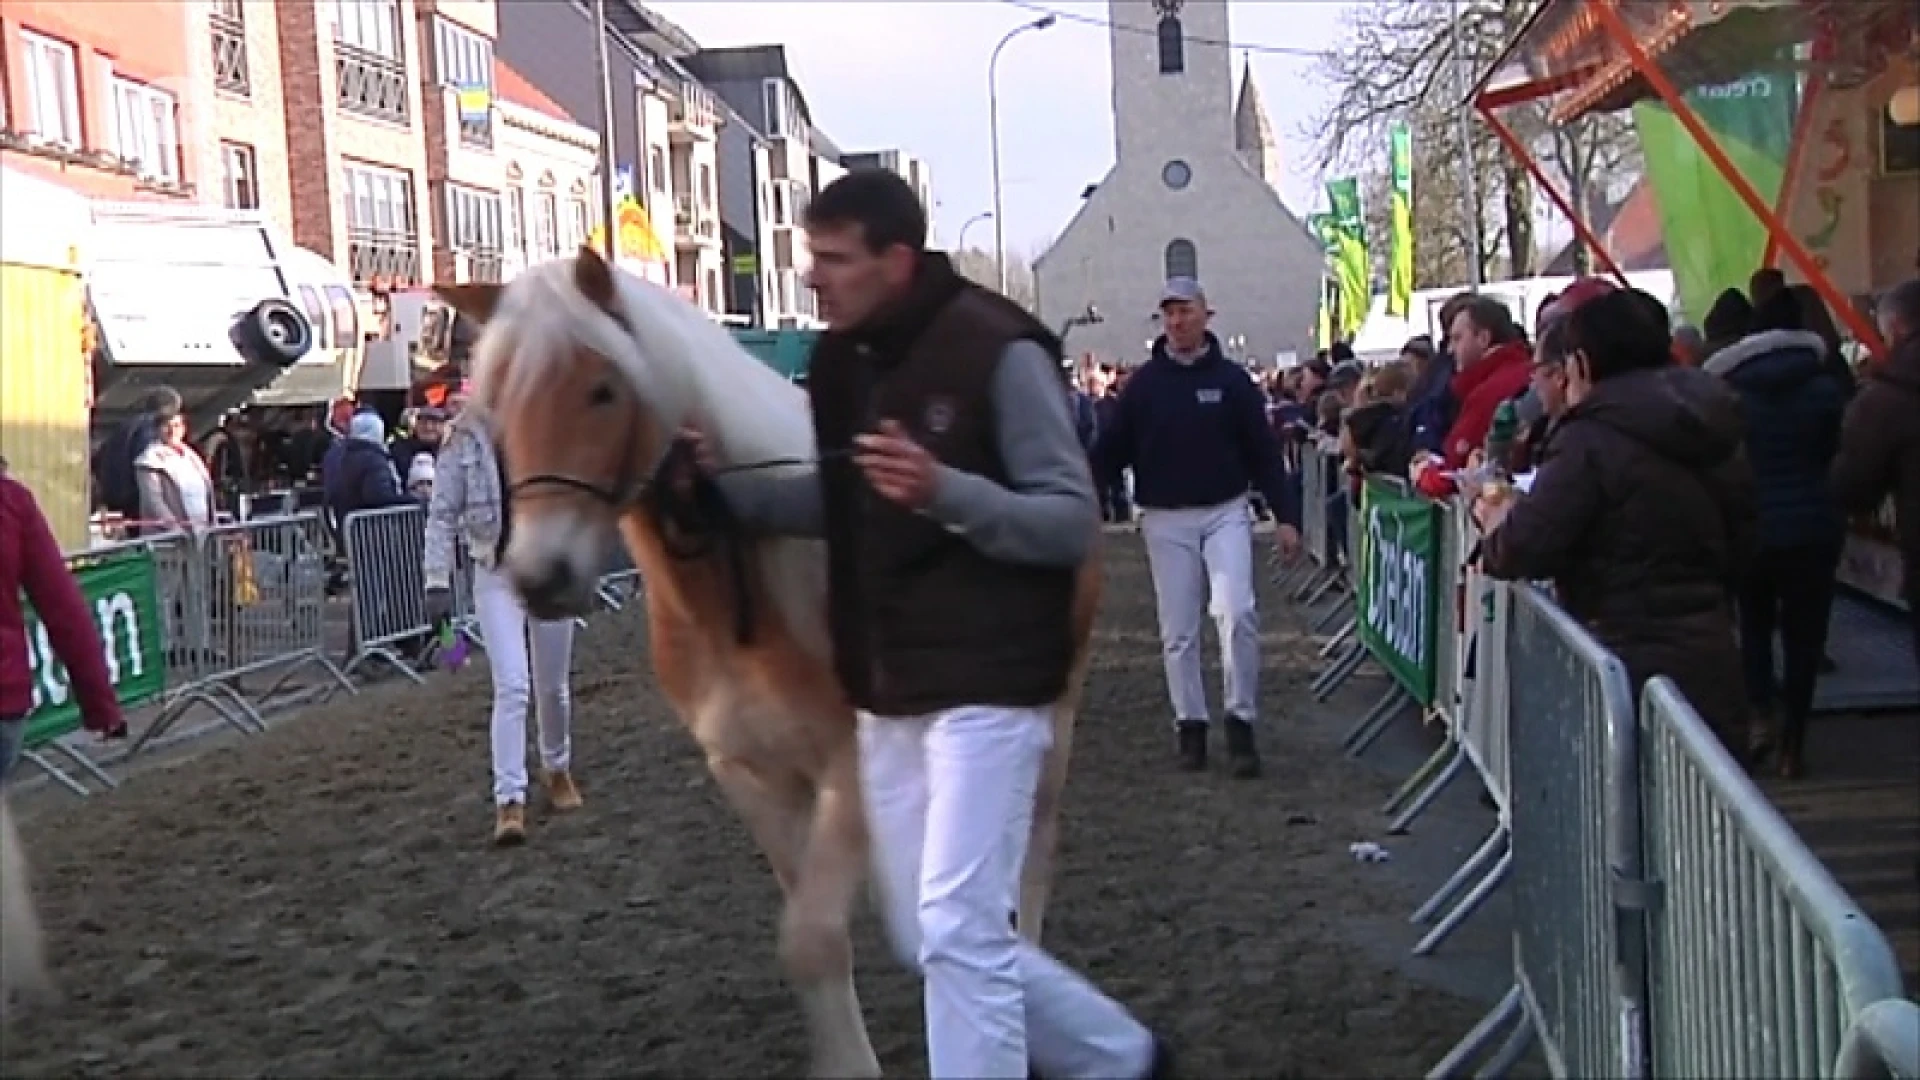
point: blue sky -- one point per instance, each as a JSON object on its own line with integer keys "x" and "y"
{"x": 914, "y": 75}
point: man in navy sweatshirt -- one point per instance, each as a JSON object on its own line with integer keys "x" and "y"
{"x": 1193, "y": 427}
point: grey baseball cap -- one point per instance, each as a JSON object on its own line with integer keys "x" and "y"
{"x": 1182, "y": 290}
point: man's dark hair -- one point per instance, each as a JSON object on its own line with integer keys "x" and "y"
{"x": 1493, "y": 317}
{"x": 1904, "y": 301}
{"x": 1764, "y": 283}
{"x": 163, "y": 402}
{"x": 1341, "y": 353}
{"x": 1553, "y": 340}
{"x": 1455, "y": 305}
{"x": 1619, "y": 333}
{"x": 1779, "y": 311}
{"x": 879, "y": 202}
{"x": 1730, "y": 317}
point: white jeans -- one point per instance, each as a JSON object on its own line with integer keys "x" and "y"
{"x": 1198, "y": 556}
{"x": 950, "y": 804}
{"x": 508, "y": 634}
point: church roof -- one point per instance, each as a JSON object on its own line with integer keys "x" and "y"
{"x": 1252, "y": 130}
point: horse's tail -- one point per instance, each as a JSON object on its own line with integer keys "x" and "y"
{"x": 21, "y": 966}
{"x": 1036, "y": 879}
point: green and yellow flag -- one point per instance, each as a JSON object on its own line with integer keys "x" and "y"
{"x": 1350, "y": 265}
{"x": 1400, "y": 273}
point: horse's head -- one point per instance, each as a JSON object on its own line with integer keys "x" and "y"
{"x": 582, "y": 421}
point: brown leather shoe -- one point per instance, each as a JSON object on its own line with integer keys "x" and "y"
{"x": 562, "y": 792}
{"x": 510, "y": 825}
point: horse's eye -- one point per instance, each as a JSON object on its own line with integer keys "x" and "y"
{"x": 602, "y": 395}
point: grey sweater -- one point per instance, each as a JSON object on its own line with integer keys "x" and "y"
{"x": 1047, "y": 515}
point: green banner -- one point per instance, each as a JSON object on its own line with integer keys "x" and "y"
{"x": 1321, "y": 225}
{"x": 123, "y": 594}
{"x": 1348, "y": 232}
{"x": 1400, "y": 273}
{"x": 1399, "y": 575}
{"x": 1713, "y": 241}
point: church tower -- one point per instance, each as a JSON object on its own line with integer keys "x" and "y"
{"x": 1253, "y": 136}
{"x": 1172, "y": 77}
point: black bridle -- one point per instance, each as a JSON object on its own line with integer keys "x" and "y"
{"x": 692, "y": 525}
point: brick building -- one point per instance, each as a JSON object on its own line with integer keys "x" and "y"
{"x": 99, "y": 98}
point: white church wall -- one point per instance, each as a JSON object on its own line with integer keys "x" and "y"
{"x": 1259, "y": 265}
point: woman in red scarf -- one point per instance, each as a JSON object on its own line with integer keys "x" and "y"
{"x": 31, "y": 563}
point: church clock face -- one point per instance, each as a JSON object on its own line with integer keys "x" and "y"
{"x": 1176, "y": 174}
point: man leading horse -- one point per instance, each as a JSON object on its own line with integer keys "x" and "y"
{"x": 959, "y": 514}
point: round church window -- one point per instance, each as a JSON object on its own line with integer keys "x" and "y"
{"x": 1177, "y": 174}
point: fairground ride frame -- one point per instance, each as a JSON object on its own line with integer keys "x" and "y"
{"x": 1584, "y": 56}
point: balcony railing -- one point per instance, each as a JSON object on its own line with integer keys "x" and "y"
{"x": 229, "y": 53}
{"x": 692, "y": 112}
{"x": 477, "y": 131}
{"x": 371, "y": 84}
{"x": 478, "y": 264}
{"x": 383, "y": 255}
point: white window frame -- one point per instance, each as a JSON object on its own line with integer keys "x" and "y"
{"x": 53, "y": 112}
{"x": 379, "y": 199}
{"x": 461, "y": 57}
{"x": 774, "y": 93}
{"x": 579, "y": 221}
{"x": 514, "y": 221}
{"x": 546, "y": 225}
{"x": 146, "y": 125}
{"x": 247, "y": 160}
{"x": 373, "y": 25}
{"x": 473, "y": 219}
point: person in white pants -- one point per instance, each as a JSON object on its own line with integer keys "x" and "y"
{"x": 526, "y": 657}
{"x": 954, "y": 535}
{"x": 1193, "y": 427}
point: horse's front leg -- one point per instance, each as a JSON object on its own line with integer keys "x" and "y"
{"x": 817, "y": 848}
{"x": 1043, "y": 841}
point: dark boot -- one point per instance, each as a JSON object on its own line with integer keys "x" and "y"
{"x": 1243, "y": 755}
{"x": 1193, "y": 747}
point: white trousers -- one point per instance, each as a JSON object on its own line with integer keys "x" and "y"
{"x": 510, "y": 638}
{"x": 950, "y": 804}
{"x": 1202, "y": 560}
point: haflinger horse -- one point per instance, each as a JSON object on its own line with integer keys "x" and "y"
{"x": 589, "y": 374}
{"x": 21, "y": 967}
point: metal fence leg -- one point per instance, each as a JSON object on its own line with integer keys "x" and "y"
{"x": 1340, "y": 639}
{"x": 1299, "y": 595}
{"x": 55, "y": 773}
{"x": 1446, "y": 755}
{"x": 1445, "y": 928}
{"x": 1324, "y": 587}
{"x": 1375, "y": 721}
{"x": 1509, "y": 1054}
{"x": 1492, "y": 847}
{"x": 1339, "y": 672}
{"x": 1342, "y": 607}
{"x": 87, "y": 765}
{"x": 381, "y": 652}
{"x": 1509, "y": 1010}
{"x": 1432, "y": 791}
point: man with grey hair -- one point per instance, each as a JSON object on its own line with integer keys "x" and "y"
{"x": 1193, "y": 427}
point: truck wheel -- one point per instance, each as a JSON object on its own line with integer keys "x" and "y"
{"x": 274, "y": 332}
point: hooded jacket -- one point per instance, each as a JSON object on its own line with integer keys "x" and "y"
{"x": 1642, "y": 514}
{"x": 1793, "y": 407}
{"x": 31, "y": 566}
{"x": 362, "y": 476}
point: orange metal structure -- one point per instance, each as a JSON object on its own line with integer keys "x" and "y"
{"x": 1582, "y": 56}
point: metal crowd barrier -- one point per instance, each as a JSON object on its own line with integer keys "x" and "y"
{"x": 384, "y": 550}
{"x": 1730, "y": 951}
{"x": 239, "y": 601}
{"x": 1760, "y": 962}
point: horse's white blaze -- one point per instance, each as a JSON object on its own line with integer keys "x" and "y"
{"x": 558, "y": 537}
{"x": 21, "y": 966}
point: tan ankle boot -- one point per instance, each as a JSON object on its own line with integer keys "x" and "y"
{"x": 510, "y": 825}
{"x": 562, "y": 792}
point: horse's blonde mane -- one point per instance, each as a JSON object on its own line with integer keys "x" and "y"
{"x": 687, "y": 369}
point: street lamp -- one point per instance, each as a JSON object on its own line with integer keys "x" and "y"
{"x": 971, "y": 222}
{"x": 993, "y": 124}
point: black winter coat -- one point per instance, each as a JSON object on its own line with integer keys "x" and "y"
{"x": 1793, "y": 405}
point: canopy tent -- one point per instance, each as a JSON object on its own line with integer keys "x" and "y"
{"x": 1578, "y": 57}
